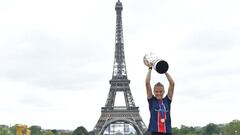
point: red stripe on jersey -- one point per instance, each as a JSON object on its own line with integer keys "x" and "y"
{"x": 161, "y": 125}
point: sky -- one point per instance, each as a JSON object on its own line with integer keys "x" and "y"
{"x": 56, "y": 59}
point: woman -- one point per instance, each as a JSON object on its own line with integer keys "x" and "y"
{"x": 159, "y": 106}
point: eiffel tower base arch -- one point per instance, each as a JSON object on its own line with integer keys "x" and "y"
{"x": 130, "y": 117}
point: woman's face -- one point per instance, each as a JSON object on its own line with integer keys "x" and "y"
{"x": 159, "y": 92}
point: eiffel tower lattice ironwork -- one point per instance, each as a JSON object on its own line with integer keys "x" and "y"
{"x": 119, "y": 83}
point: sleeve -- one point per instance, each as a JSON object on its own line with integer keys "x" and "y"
{"x": 150, "y": 102}
{"x": 168, "y": 100}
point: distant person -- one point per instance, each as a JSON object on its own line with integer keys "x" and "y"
{"x": 159, "y": 106}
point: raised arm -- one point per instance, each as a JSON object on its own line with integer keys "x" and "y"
{"x": 148, "y": 85}
{"x": 171, "y": 86}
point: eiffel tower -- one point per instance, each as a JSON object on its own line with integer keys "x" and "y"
{"x": 129, "y": 113}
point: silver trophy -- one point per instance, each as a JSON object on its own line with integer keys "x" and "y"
{"x": 151, "y": 60}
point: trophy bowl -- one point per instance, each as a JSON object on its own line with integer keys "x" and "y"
{"x": 151, "y": 60}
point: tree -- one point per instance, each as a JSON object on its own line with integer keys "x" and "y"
{"x": 91, "y": 133}
{"x": 13, "y": 130}
{"x": 232, "y": 128}
{"x": 35, "y": 130}
{"x": 186, "y": 130}
{"x": 176, "y": 131}
{"x": 3, "y": 131}
{"x": 211, "y": 129}
{"x": 54, "y": 131}
{"x": 80, "y": 131}
{"x": 48, "y": 133}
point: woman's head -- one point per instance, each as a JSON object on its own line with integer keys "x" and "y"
{"x": 158, "y": 90}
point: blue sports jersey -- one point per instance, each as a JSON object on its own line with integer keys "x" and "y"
{"x": 160, "y": 120}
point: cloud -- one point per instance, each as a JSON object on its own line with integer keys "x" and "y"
{"x": 44, "y": 61}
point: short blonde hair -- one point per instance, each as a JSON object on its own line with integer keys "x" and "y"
{"x": 158, "y": 84}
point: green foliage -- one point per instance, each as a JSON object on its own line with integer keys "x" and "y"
{"x": 35, "y": 130}
{"x": 91, "y": 133}
{"x": 80, "y": 131}
{"x": 63, "y": 133}
{"x": 211, "y": 129}
{"x": 4, "y": 131}
{"x": 48, "y": 133}
{"x": 13, "y": 130}
{"x": 186, "y": 130}
{"x": 54, "y": 131}
{"x": 176, "y": 131}
{"x": 232, "y": 128}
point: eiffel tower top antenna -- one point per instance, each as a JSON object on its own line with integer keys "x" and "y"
{"x": 119, "y": 66}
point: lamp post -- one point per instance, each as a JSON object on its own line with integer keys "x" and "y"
{"x": 236, "y": 132}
